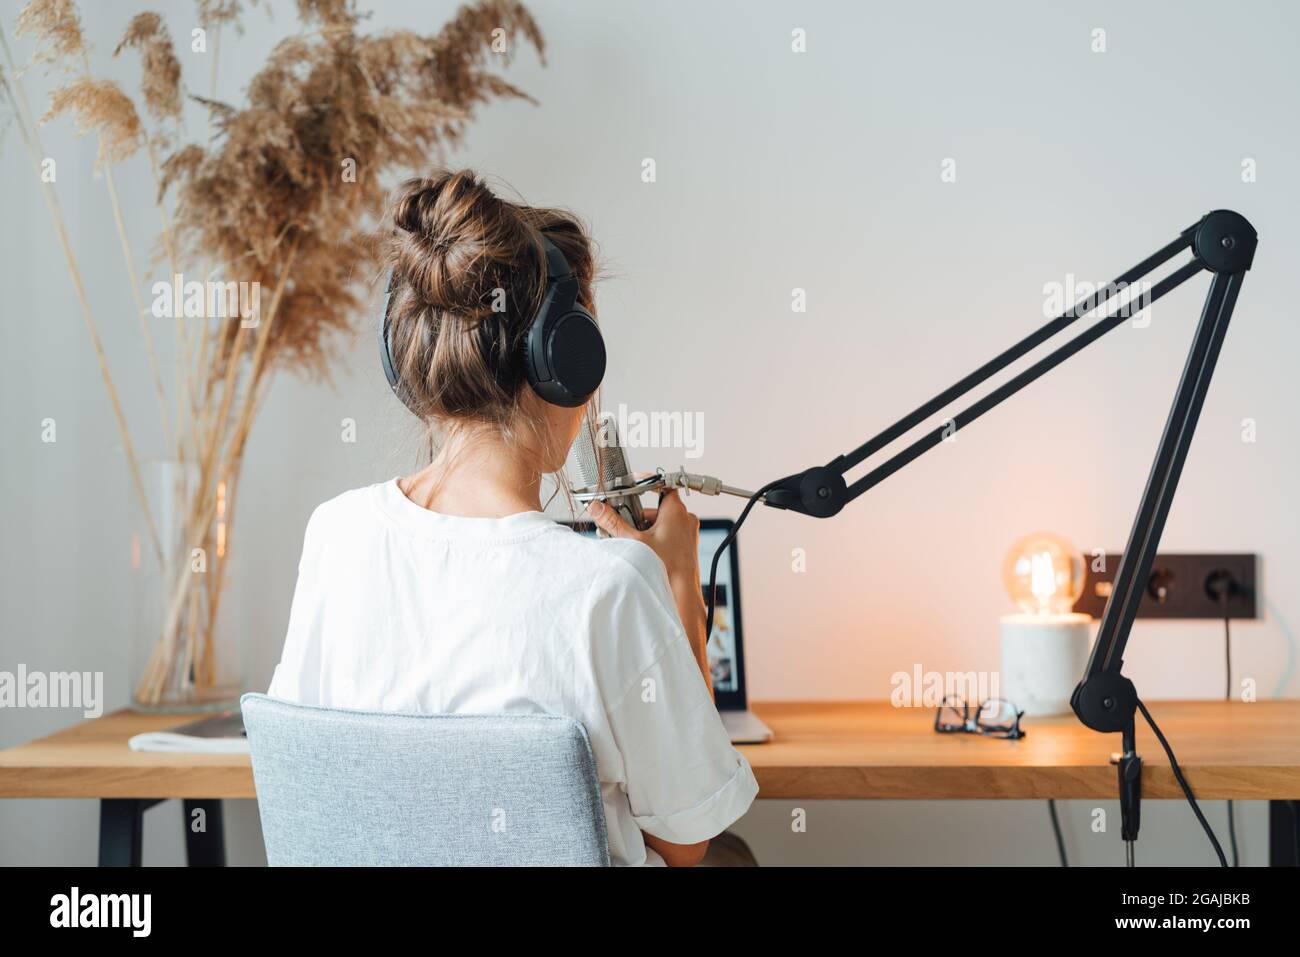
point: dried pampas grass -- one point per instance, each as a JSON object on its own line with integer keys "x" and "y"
{"x": 56, "y": 27}
{"x": 100, "y": 106}
{"x": 328, "y": 117}
{"x": 285, "y": 192}
{"x": 161, "y": 84}
{"x": 215, "y": 13}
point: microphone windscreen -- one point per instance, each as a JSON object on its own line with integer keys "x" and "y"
{"x": 596, "y": 456}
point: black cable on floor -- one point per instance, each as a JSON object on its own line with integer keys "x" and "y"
{"x": 1182, "y": 782}
{"x": 1232, "y": 835}
{"x": 1056, "y": 829}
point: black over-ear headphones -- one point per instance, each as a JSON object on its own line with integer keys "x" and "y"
{"x": 564, "y": 352}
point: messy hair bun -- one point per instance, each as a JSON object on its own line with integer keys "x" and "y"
{"x": 469, "y": 274}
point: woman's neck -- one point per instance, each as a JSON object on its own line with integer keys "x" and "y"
{"x": 478, "y": 475}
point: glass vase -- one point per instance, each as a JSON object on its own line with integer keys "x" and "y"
{"x": 186, "y": 657}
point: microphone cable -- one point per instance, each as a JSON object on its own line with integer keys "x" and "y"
{"x": 1056, "y": 829}
{"x": 1182, "y": 782}
{"x": 717, "y": 554}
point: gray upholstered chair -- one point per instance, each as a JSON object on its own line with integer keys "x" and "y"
{"x": 341, "y": 787}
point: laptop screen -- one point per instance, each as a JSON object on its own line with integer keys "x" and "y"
{"x": 726, "y": 651}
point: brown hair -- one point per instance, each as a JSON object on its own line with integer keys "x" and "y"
{"x": 469, "y": 273}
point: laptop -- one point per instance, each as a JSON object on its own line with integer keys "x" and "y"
{"x": 726, "y": 643}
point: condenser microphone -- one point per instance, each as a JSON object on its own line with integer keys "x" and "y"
{"x": 598, "y": 459}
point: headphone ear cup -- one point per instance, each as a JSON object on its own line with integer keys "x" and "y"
{"x": 385, "y": 347}
{"x": 386, "y": 350}
{"x": 576, "y": 354}
{"x": 572, "y": 350}
{"x": 564, "y": 352}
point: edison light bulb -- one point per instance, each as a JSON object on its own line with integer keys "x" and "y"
{"x": 1044, "y": 645}
{"x": 1043, "y": 574}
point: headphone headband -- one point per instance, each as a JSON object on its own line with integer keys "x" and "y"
{"x": 557, "y": 267}
{"x": 564, "y": 352}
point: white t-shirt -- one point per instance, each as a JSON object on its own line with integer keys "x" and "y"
{"x": 402, "y": 609}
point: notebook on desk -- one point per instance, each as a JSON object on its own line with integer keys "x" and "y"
{"x": 220, "y": 734}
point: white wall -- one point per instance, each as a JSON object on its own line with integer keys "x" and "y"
{"x": 775, "y": 170}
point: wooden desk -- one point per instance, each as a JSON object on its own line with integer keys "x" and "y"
{"x": 846, "y": 750}
{"x": 871, "y": 750}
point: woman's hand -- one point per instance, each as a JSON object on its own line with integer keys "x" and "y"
{"x": 673, "y": 534}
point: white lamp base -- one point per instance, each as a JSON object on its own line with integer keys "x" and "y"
{"x": 1043, "y": 657}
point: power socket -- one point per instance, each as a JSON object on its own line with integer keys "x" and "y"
{"x": 1180, "y": 586}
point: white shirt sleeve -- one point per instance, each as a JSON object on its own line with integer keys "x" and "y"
{"x": 684, "y": 781}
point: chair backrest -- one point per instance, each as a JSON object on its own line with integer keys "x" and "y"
{"x": 338, "y": 787}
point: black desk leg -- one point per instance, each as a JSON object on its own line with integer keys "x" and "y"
{"x": 121, "y": 826}
{"x": 205, "y": 848}
{"x": 1283, "y": 838}
{"x": 121, "y": 829}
